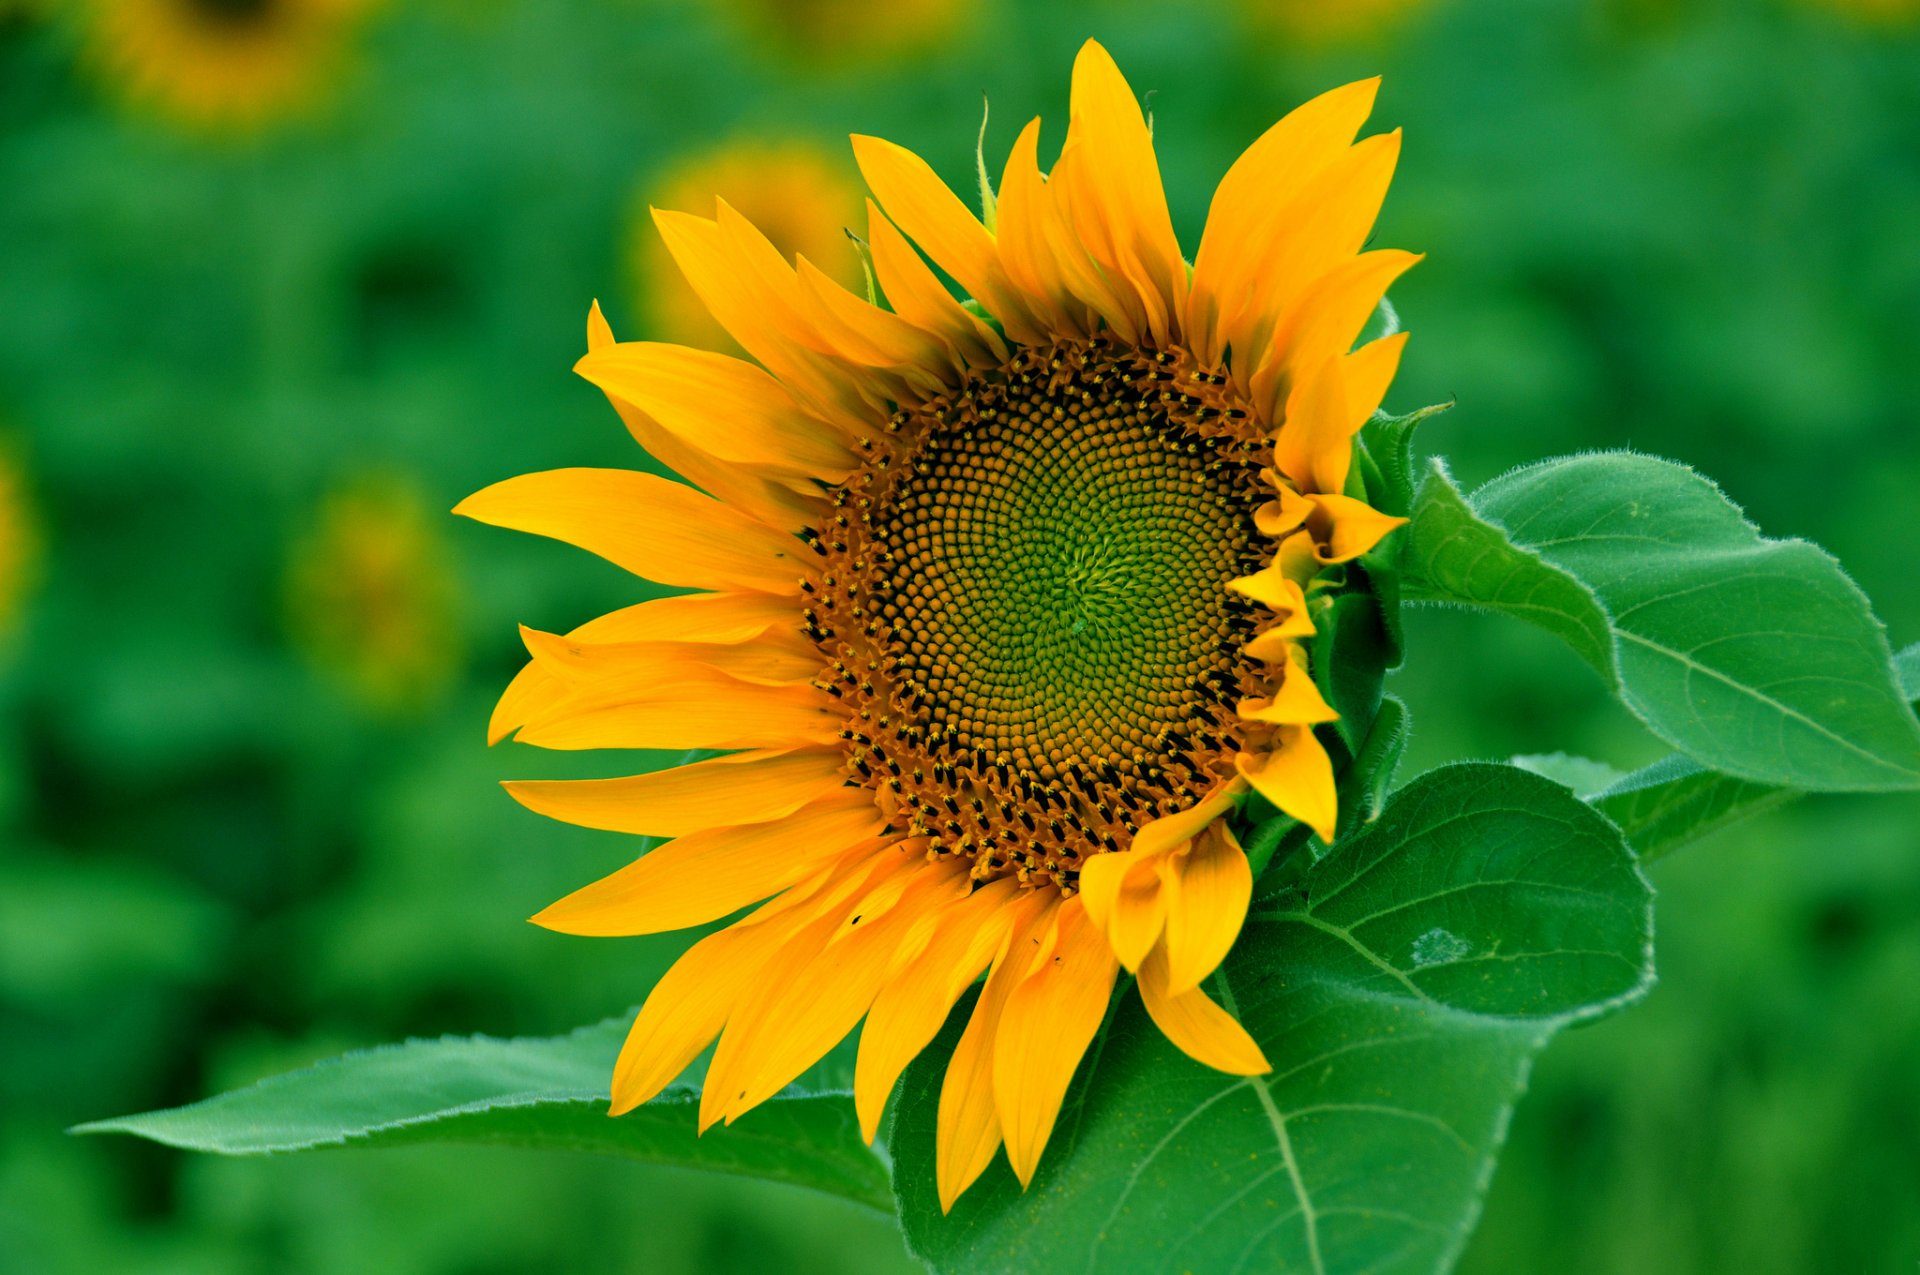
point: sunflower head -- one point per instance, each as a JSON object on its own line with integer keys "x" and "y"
{"x": 999, "y": 609}
{"x": 229, "y": 65}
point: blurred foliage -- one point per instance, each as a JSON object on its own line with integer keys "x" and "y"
{"x": 1684, "y": 227}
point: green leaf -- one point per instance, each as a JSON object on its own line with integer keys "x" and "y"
{"x": 1757, "y": 658}
{"x": 529, "y": 1092}
{"x": 1400, "y": 993}
{"x": 1583, "y": 775}
{"x": 1387, "y": 442}
{"x": 1675, "y": 802}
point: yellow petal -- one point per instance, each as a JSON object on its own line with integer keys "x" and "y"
{"x": 658, "y": 529}
{"x": 1327, "y": 321}
{"x": 1202, "y": 1030}
{"x": 1021, "y": 233}
{"x": 864, "y": 332}
{"x": 1344, "y": 528}
{"x": 779, "y": 502}
{"x": 697, "y": 708}
{"x": 1168, "y": 831}
{"x": 800, "y": 930}
{"x": 1302, "y": 242}
{"x": 965, "y": 937}
{"x": 1045, "y": 1028}
{"x": 933, "y": 217}
{"x": 705, "y": 875}
{"x": 918, "y": 296}
{"x": 1205, "y": 914}
{"x": 1115, "y": 197}
{"x": 754, "y": 299}
{"x": 695, "y": 617}
{"x": 741, "y": 788}
{"x": 1296, "y": 775}
{"x": 1295, "y": 701}
{"x": 1327, "y": 407}
{"x": 689, "y": 1005}
{"x": 1268, "y": 176}
{"x": 773, "y": 659}
{"x": 968, "y": 1123}
{"x": 823, "y": 988}
{"x": 723, "y": 406}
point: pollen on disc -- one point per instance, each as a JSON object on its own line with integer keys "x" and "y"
{"x": 1023, "y": 603}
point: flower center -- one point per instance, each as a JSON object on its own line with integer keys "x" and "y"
{"x": 1026, "y": 611}
{"x": 235, "y": 13}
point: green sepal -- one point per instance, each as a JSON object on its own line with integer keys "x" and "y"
{"x": 1386, "y": 443}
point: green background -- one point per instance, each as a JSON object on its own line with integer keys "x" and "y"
{"x": 1686, "y": 228}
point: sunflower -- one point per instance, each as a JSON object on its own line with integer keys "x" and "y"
{"x": 817, "y": 33}
{"x": 797, "y": 194}
{"x": 20, "y": 539}
{"x": 1317, "y": 22}
{"x": 371, "y": 597}
{"x": 230, "y": 64}
{"x": 999, "y": 609}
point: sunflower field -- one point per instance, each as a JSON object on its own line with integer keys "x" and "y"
{"x": 1247, "y": 636}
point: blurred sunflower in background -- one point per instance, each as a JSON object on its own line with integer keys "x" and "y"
{"x": 20, "y": 539}
{"x": 1878, "y": 13}
{"x": 371, "y": 596}
{"x": 1006, "y": 604}
{"x": 800, "y": 196}
{"x": 220, "y": 64}
{"x": 1319, "y": 22}
{"x": 814, "y": 33}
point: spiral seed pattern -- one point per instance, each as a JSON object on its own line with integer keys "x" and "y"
{"x": 1023, "y": 605}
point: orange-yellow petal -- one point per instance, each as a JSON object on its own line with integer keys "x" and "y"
{"x": 1344, "y": 528}
{"x": 703, "y": 876}
{"x": 1045, "y": 1028}
{"x": 968, "y": 1123}
{"x": 1201, "y": 1029}
{"x": 740, "y": 788}
{"x": 1295, "y": 701}
{"x": 689, "y": 1005}
{"x": 695, "y": 617}
{"x": 1296, "y": 775}
{"x": 1268, "y": 176}
{"x": 964, "y": 937}
{"x": 1115, "y": 198}
{"x": 1205, "y": 913}
{"x": 697, "y": 708}
{"x": 918, "y": 296}
{"x": 817, "y": 990}
{"x": 933, "y": 217}
{"x": 725, "y": 407}
{"x": 658, "y": 529}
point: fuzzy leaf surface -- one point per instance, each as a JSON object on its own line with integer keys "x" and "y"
{"x": 1756, "y": 658}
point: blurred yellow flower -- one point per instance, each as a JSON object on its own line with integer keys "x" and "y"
{"x": 228, "y": 65}
{"x": 371, "y": 596}
{"x": 813, "y": 32}
{"x": 1329, "y": 21}
{"x": 1886, "y": 13}
{"x": 801, "y": 196}
{"x": 20, "y": 540}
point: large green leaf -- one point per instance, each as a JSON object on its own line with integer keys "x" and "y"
{"x": 1400, "y": 992}
{"x": 1756, "y": 658}
{"x": 1675, "y": 802}
{"x": 530, "y": 1092}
